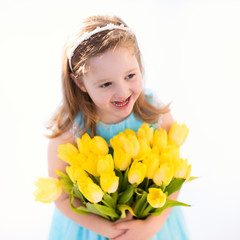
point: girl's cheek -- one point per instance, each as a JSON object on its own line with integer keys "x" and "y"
{"x": 138, "y": 85}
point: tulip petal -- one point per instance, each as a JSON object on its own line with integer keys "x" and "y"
{"x": 123, "y": 209}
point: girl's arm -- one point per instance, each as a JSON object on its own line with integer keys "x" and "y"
{"x": 90, "y": 221}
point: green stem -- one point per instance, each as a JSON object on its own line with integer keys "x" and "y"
{"x": 146, "y": 186}
{"x": 145, "y": 213}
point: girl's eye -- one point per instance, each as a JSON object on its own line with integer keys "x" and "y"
{"x": 129, "y": 76}
{"x": 105, "y": 85}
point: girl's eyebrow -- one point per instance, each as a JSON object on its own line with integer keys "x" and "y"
{"x": 101, "y": 81}
{"x": 131, "y": 70}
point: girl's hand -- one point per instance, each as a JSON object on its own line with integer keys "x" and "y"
{"x": 134, "y": 229}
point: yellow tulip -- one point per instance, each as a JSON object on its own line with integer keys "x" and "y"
{"x": 75, "y": 173}
{"x": 152, "y": 163}
{"x": 121, "y": 159}
{"x": 90, "y": 164}
{"x": 180, "y": 168}
{"x": 177, "y": 134}
{"x": 145, "y": 150}
{"x": 145, "y": 132}
{"x": 128, "y": 132}
{"x": 117, "y": 142}
{"x": 68, "y": 153}
{"x": 132, "y": 137}
{"x": 164, "y": 174}
{"x": 160, "y": 139}
{"x": 99, "y": 146}
{"x": 105, "y": 163}
{"x": 169, "y": 154}
{"x": 109, "y": 181}
{"x": 81, "y": 159}
{"x": 83, "y": 144}
{"x": 137, "y": 172}
{"x": 91, "y": 191}
{"x": 156, "y": 198}
{"x": 84, "y": 180}
{"x": 49, "y": 189}
{"x": 121, "y": 141}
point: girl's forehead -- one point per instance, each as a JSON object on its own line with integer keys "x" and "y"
{"x": 119, "y": 55}
{"x": 112, "y": 62}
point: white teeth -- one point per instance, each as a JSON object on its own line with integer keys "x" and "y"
{"x": 122, "y": 104}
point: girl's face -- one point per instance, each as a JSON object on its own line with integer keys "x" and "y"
{"x": 114, "y": 82}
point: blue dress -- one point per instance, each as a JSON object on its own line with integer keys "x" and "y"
{"x": 64, "y": 229}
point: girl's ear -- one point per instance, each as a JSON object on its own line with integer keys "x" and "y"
{"x": 78, "y": 82}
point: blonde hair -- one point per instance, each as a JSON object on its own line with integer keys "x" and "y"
{"x": 74, "y": 99}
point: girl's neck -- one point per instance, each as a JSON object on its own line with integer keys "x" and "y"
{"x": 113, "y": 121}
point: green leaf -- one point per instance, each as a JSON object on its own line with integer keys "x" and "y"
{"x": 106, "y": 210}
{"x": 163, "y": 187}
{"x": 109, "y": 200}
{"x": 114, "y": 197}
{"x": 79, "y": 210}
{"x": 140, "y": 202}
{"x": 168, "y": 203}
{"x": 61, "y": 174}
{"x": 125, "y": 179}
{"x": 192, "y": 178}
{"x": 66, "y": 182}
{"x": 127, "y": 194}
{"x": 92, "y": 209}
{"x": 174, "y": 185}
{"x": 67, "y": 187}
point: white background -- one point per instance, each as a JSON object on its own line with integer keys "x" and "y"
{"x": 191, "y": 53}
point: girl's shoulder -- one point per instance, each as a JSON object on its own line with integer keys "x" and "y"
{"x": 165, "y": 121}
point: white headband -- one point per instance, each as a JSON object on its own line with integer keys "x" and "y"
{"x": 87, "y": 35}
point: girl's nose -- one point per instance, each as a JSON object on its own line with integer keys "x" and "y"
{"x": 121, "y": 92}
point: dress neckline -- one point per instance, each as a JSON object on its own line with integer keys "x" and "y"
{"x": 110, "y": 125}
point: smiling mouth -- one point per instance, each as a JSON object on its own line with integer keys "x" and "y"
{"x": 121, "y": 104}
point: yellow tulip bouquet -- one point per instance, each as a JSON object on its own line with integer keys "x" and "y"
{"x": 137, "y": 173}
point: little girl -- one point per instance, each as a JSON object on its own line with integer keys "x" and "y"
{"x": 103, "y": 95}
